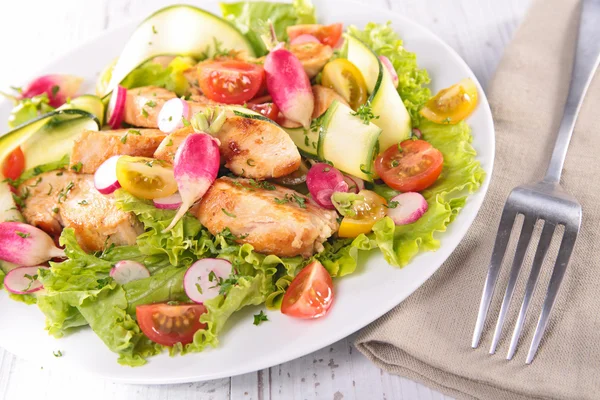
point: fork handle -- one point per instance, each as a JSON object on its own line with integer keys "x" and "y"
{"x": 586, "y": 61}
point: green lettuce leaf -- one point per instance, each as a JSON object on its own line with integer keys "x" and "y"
{"x": 412, "y": 80}
{"x": 246, "y": 15}
{"x": 154, "y": 74}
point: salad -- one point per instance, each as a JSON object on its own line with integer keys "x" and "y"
{"x": 225, "y": 161}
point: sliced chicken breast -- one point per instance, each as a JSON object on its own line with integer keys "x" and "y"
{"x": 92, "y": 148}
{"x": 278, "y": 221}
{"x": 66, "y": 199}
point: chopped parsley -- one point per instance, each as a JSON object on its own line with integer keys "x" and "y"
{"x": 290, "y": 198}
{"x": 55, "y": 90}
{"x": 57, "y": 353}
{"x": 260, "y": 318}
{"x": 37, "y": 182}
{"x": 154, "y": 30}
{"x": 83, "y": 202}
{"x": 228, "y": 235}
{"x": 62, "y": 195}
{"x": 228, "y": 213}
{"x": 124, "y": 138}
{"x": 199, "y": 287}
{"x": 185, "y": 121}
{"x": 365, "y": 113}
{"x": 262, "y": 184}
{"x": 31, "y": 280}
{"x": 23, "y": 234}
{"x": 392, "y": 204}
{"x": 55, "y": 210}
{"x": 49, "y": 190}
{"x": 170, "y": 142}
{"x": 134, "y": 132}
{"x": 144, "y": 113}
{"x": 250, "y": 162}
{"x": 446, "y": 120}
{"x": 77, "y": 167}
{"x": 281, "y": 201}
{"x": 150, "y": 103}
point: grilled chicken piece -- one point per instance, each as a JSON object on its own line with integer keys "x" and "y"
{"x": 167, "y": 149}
{"x": 264, "y": 219}
{"x": 92, "y": 148}
{"x": 143, "y": 105}
{"x": 313, "y": 56}
{"x": 65, "y": 199}
{"x": 324, "y": 96}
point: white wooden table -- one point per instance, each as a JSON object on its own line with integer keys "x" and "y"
{"x": 33, "y": 31}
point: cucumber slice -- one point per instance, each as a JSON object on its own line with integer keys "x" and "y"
{"x": 307, "y": 141}
{"x": 176, "y": 30}
{"x": 87, "y": 107}
{"x": 349, "y": 143}
{"x": 394, "y": 119}
{"x": 8, "y": 207}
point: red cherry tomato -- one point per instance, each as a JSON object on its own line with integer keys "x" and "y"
{"x": 167, "y": 325}
{"x": 14, "y": 164}
{"x": 230, "y": 81}
{"x": 310, "y": 294}
{"x": 268, "y": 110}
{"x": 411, "y": 166}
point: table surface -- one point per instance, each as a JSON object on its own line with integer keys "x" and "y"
{"x": 477, "y": 29}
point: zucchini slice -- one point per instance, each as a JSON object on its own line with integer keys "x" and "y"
{"x": 386, "y": 103}
{"x": 176, "y": 30}
{"x": 307, "y": 141}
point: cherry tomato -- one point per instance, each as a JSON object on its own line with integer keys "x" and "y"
{"x": 167, "y": 325}
{"x": 146, "y": 178}
{"x": 453, "y": 104}
{"x": 327, "y": 34}
{"x": 411, "y": 166}
{"x": 268, "y": 110}
{"x": 230, "y": 81}
{"x": 14, "y": 164}
{"x": 367, "y": 213}
{"x": 310, "y": 295}
{"x": 343, "y": 77}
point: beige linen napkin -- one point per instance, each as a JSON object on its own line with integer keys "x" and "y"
{"x": 427, "y": 338}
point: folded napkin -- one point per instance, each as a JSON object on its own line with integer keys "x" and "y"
{"x": 428, "y": 337}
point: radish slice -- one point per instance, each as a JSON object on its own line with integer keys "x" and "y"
{"x": 127, "y": 271}
{"x": 304, "y": 38}
{"x": 388, "y": 65}
{"x": 171, "y": 115}
{"x": 355, "y": 184}
{"x": 105, "y": 178}
{"x": 116, "y": 107}
{"x": 289, "y": 86}
{"x": 196, "y": 166}
{"x": 26, "y": 245}
{"x": 172, "y": 202}
{"x": 23, "y": 280}
{"x": 202, "y": 280}
{"x": 409, "y": 207}
{"x": 322, "y": 181}
{"x": 417, "y": 133}
{"x": 59, "y": 88}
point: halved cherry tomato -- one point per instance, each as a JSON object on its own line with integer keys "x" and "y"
{"x": 167, "y": 325}
{"x": 310, "y": 295}
{"x": 146, "y": 178}
{"x": 367, "y": 213}
{"x": 327, "y": 34}
{"x": 14, "y": 164}
{"x": 453, "y": 104}
{"x": 410, "y": 166}
{"x": 230, "y": 81}
{"x": 268, "y": 110}
{"x": 343, "y": 77}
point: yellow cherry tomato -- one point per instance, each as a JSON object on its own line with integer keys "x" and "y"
{"x": 343, "y": 77}
{"x": 368, "y": 212}
{"x": 146, "y": 178}
{"x": 453, "y": 104}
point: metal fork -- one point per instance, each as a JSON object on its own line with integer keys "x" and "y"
{"x": 546, "y": 201}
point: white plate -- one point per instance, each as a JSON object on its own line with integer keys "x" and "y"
{"x": 362, "y": 297}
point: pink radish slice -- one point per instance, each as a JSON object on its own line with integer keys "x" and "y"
{"x": 196, "y": 166}
{"x": 105, "y": 177}
{"x": 172, "y": 202}
{"x": 289, "y": 86}
{"x": 128, "y": 271}
{"x": 171, "y": 115}
{"x": 388, "y": 65}
{"x": 200, "y": 284}
{"x": 304, "y": 38}
{"x": 417, "y": 133}
{"x": 322, "y": 181}
{"x": 355, "y": 184}
{"x": 411, "y": 206}
{"x": 23, "y": 280}
{"x": 116, "y": 107}
{"x": 26, "y": 245}
{"x": 58, "y": 88}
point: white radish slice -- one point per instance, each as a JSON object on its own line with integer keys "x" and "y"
{"x": 409, "y": 208}
{"x": 171, "y": 115}
{"x": 202, "y": 280}
{"x": 26, "y": 245}
{"x": 105, "y": 177}
{"x": 303, "y": 39}
{"x": 128, "y": 271}
{"x": 23, "y": 280}
{"x": 388, "y": 65}
{"x": 172, "y": 202}
{"x": 355, "y": 184}
{"x": 116, "y": 107}
{"x": 322, "y": 181}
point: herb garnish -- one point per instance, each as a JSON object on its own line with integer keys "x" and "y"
{"x": 23, "y": 234}
{"x": 260, "y": 317}
{"x": 365, "y": 113}
{"x": 150, "y": 103}
{"x": 228, "y": 213}
{"x": 77, "y": 167}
